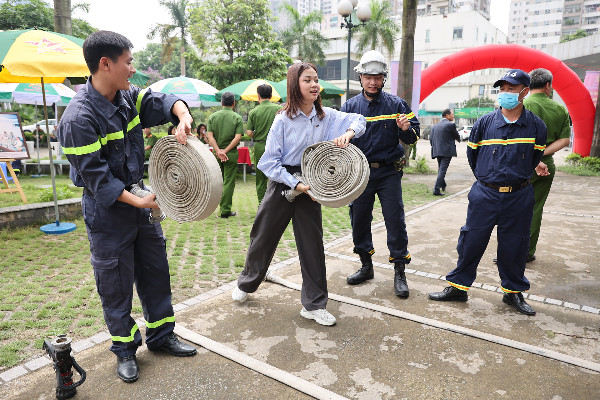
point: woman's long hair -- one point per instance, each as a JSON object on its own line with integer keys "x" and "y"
{"x": 294, "y": 97}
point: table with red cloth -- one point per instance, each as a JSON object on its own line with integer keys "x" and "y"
{"x": 244, "y": 158}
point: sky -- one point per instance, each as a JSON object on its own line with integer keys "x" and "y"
{"x": 135, "y": 18}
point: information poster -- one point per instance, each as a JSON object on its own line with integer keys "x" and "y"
{"x": 12, "y": 139}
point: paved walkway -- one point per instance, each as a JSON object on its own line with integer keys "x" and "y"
{"x": 384, "y": 347}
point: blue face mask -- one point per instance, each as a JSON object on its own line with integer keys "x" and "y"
{"x": 508, "y": 100}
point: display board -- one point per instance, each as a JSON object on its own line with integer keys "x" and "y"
{"x": 12, "y": 139}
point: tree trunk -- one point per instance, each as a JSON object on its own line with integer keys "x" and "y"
{"x": 182, "y": 60}
{"x": 407, "y": 57}
{"x": 62, "y": 24}
{"x": 595, "y": 150}
{"x": 62, "y": 17}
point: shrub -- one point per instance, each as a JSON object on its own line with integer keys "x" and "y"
{"x": 591, "y": 163}
{"x": 62, "y": 192}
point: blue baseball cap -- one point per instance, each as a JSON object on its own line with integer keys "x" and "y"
{"x": 514, "y": 76}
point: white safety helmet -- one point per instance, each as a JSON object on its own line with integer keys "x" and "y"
{"x": 372, "y": 63}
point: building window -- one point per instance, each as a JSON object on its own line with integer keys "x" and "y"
{"x": 536, "y": 12}
{"x": 494, "y": 91}
{"x": 427, "y": 36}
{"x": 481, "y": 90}
{"x": 534, "y": 35}
{"x": 457, "y": 33}
{"x": 333, "y": 21}
{"x": 543, "y": 46}
{"x": 547, "y": 12}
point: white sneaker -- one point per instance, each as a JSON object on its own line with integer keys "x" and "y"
{"x": 321, "y": 316}
{"x": 239, "y": 295}
{"x": 270, "y": 275}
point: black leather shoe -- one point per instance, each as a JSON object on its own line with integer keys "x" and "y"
{"x": 365, "y": 272}
{"x": 438, "y": 193}
{"x": 229, "y": 214}
{"x": 400, "y": 285}
{"x": 518, "y": 302}
{"x": 450, "y": 294}
{"x": 173, "y": 346}
{"x": 127, "y": 369}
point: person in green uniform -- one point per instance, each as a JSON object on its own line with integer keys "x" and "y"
{"x": 557, "y": 121}
{"x": 224, "y": 130}
{"x": 149, "y": 142}
{"x": 260, "y": 120}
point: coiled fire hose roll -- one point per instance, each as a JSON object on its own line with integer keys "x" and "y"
{"x": 185, "y": 178}
{"x": 336, "y": 176}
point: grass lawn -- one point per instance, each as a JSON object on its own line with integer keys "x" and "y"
{"x": 47, "y": 284}
{"x": 39, "y": 190}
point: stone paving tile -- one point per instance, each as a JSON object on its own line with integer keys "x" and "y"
{"x": 37, "y": 363}
{"x": 13, "y": 373}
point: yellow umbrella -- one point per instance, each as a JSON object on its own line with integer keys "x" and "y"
{"x": 32, "y": 56}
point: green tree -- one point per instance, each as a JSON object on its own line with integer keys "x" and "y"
{"x": 407, "y": 57}
{"x": 304, "y": 35}
{"x": 175, "y": 33}
{"x": 267, "y": 62}
{"x": 380, "y": 29}
{"x": 151, "y": 57}
{"x": 580, "y": 33}
{"x": 231, "y": 27}
{"x": 477, "y": 102}
{"x": 28, "y": 14}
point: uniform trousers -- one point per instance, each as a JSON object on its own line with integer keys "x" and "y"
{"x": 541, "y": 189}
{"x": 272, "y": 218}
{"x": 386, "y": 182}
{"x": 511, "y": 213}
{"x": 126, "y": 249}
{"x": 443, "y": 163}
{"x": 228, "y": 172}
{"x": 261, "y": 178}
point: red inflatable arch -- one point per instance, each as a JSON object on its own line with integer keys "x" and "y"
{"x": 566, "y": 83}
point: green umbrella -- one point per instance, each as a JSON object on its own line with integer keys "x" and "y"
{"x": 246, "y": 90}
{"x": 139, "y": 79}
{"x": 194, "y": 92}
{"x": 328, "y": 90}
{"x": 31, "y": 93}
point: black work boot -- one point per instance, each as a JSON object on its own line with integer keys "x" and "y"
{"x": 365, "y": 272}
{"x": 400, "y": 286}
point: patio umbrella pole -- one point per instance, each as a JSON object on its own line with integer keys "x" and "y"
{"x": 52, "y": 172}
{"x": 37, "y": 139}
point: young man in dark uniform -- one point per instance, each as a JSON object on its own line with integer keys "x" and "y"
{"x": 101, "y": 135}
{"x": 389, "y": 119}
{"x": 504, "y": 149}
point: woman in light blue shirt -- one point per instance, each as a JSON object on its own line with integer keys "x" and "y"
{"x": 302, "y": 122}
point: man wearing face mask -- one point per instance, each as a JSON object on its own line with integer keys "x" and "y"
{"x": 504, "y": 148}
{"x": 389, "y": 119}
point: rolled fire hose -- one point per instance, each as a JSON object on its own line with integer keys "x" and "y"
{"x": 336, "y": 176}
{"x": 185, "y": 178}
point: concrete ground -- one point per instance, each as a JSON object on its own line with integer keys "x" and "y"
{"x": 374, "y": 355}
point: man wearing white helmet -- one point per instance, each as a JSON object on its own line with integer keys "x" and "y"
{"x": 389, "y": 120}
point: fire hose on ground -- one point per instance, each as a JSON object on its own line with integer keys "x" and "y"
{"x": 336, "y": 176}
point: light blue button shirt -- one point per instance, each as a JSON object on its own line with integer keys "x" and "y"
{"x": 289, "y": 137}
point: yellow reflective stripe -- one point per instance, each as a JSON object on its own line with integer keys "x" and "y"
{"x": 78, "y": 151}
{"x": 161, "y": 322}
{"x": 138, "y": 101}
{"x": 406, "y": 257}
{"x": 133, "y": 123}
{"x": 504, "y": 142}
{"x": 538, "y": 147}
{"x": 509, "y": 291}
{"x": 111, "y": 136}
{"x": 90, "y": 148}
{"x": 456, "y": 285}
{"x": 391, "y": 116}
{"x": 126, "y": 339}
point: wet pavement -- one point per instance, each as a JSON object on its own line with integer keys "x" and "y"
{"x": 373, "y": 354}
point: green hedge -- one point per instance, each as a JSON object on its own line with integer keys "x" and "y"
{"x": 592, "y": 163}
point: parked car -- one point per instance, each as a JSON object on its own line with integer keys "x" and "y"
{"x": 464, "y": 132}
{"x": 42, "y": 124}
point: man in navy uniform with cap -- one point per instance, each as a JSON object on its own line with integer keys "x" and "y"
{"x": 504, "y": 148}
